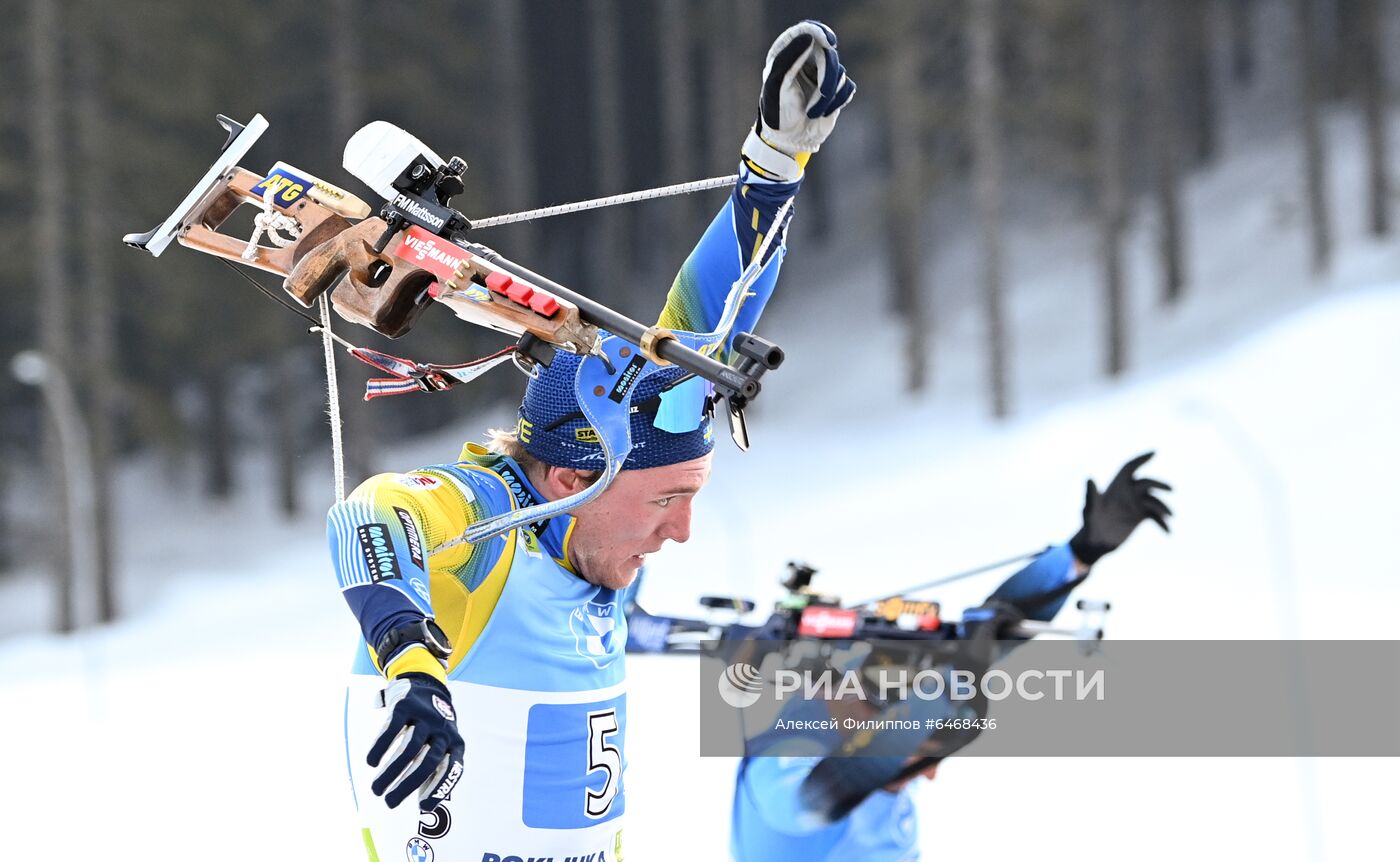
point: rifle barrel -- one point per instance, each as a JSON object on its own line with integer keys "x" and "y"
{"x": 620, "y": 324}
{"x": 1032, "y": 628}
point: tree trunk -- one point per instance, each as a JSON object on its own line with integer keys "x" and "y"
{"x": 217, "y": 435}
{"x": 607, "y": 261}
{"x": 286, "y": 411}
{"x": 985, "y": 81}
{"x": 51, "y": 277}
{"x": 677, "y": 117}
{"x": 515, "y": 157}
{"x": 723, "y": 133}
{"x": 905, "y": 198}
{"x": 1164, "y": 47}
{"x": 1374, "y": 99}
{"x": 7, "y": 539}
{"x": 1314, "y": 152}
{"x": 101, "y": 365}
{"x": 1241, "y": 16}
{"x": 746, "y": 33}
{"x": 347, "y": 115}
{"x": 1112, "y": 209}
{"x": 1344, "y": 71}
{"x": 1199, "y": 82}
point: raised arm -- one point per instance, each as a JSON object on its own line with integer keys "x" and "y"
{"x": 803, "y": 90}
{"x": 1040, "y": 589}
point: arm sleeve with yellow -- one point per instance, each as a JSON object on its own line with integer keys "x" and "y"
{"x": 383, "y": 538}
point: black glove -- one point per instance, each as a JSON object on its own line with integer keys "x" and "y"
{"x": 422, "y": 706}
{"x": 1110, "y": 517}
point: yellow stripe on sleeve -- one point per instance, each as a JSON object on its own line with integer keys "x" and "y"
{"x": 416, "y": 660}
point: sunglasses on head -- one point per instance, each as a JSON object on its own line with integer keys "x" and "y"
{"x": 688, "y": 401}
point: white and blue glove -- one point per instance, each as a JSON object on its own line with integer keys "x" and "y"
{"x": 427, "y": 750}
{"x": 804, "y": 89}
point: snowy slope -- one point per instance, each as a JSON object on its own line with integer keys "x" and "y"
{"x": 190, "y": 730}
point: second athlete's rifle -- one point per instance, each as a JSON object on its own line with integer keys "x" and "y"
{"x": 810, "y": 629}
{"x": 807, "y": 614}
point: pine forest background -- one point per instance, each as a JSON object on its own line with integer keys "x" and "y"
{"x": 974, "y": 118}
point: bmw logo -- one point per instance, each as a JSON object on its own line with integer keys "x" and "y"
{"x": 418, "y": 850}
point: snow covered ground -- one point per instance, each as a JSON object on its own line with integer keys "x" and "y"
{"x": 206, "y": 723}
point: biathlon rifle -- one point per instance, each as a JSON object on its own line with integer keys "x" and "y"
{"x": 804, "y": 613}
{"x": 810, "y": 629}
{"x": 383, "y": 270}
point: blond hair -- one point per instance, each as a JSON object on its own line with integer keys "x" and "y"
{"x": 507, "y": 442}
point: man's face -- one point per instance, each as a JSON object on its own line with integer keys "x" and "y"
{"x": 634, "y": 517}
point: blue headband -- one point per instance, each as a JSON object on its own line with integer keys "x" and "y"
{"x": 553, "y": 429}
